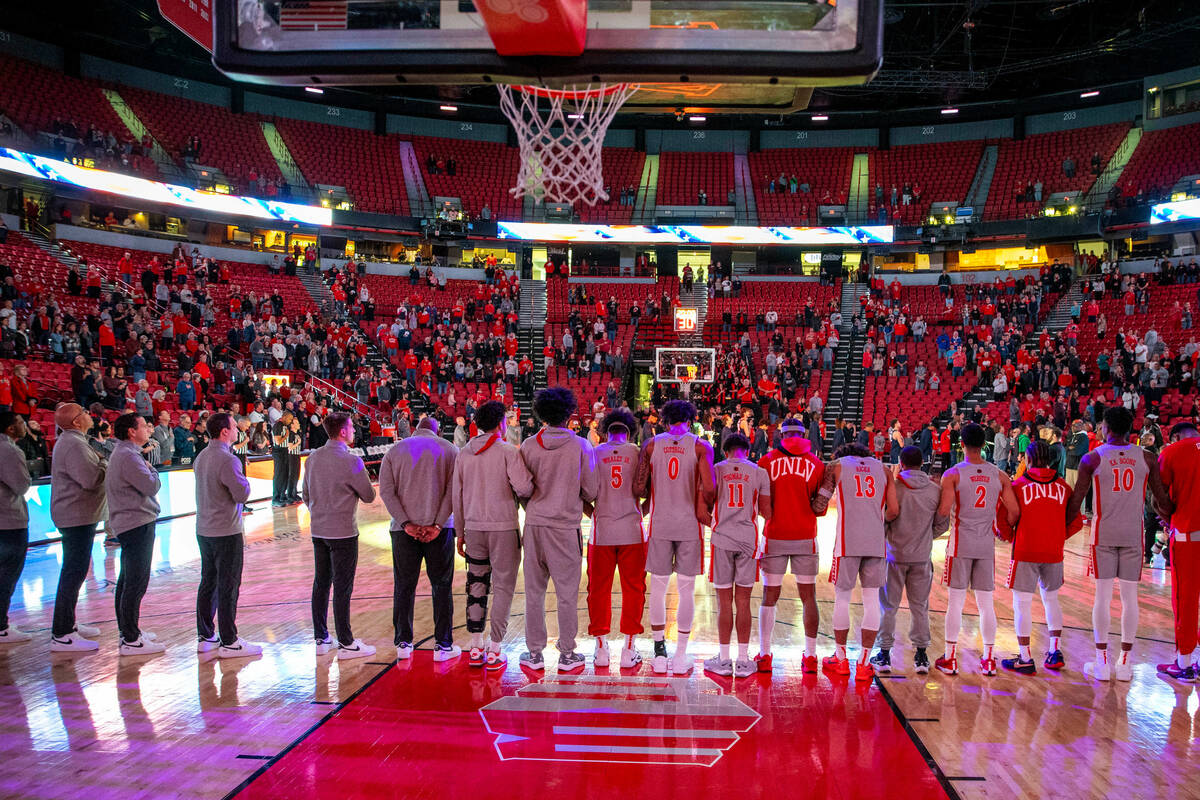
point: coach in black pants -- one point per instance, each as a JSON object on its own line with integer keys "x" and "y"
{"x": 14, "y": 518}
{"x": 414, "y": 483}
{"x": 221, "y": 491}
{"x": 335, "y": 481}
{"x": 131, "y": 487}
{"x": 77, "y": 506}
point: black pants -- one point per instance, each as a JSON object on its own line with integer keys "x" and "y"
{"x": 335, "y": 561}
{"x": 137, "y": 550}
{"x": 77, "y": 543}
{"x": 279, "y": 476}
{"x": 14, "y": 543}
{"x": 438, "y": 555}
{"x": 293, "y": 477}
{"x": 220, "y": 584}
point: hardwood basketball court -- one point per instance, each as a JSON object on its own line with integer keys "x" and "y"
{"x": 293, "y": 724}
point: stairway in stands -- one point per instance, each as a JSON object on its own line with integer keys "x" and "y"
{"x": 746, "y": 205}
{"x": 860, "y": 189}
{"x": 317, "y": 290}
{"x": 283, "y": 158}
{"x": 167, "y": 167}
{"x": 531, "y": 334}
{"x": 981, "y": 184}
{"x": 1097, "y": 196}
{"x": 646, "y": 204}
{"x": 419, "y": 204}
{"x": 846, "y": 387}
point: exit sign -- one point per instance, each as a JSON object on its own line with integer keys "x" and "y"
{"x": 685, "y": 320}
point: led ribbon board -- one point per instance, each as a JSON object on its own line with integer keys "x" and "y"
{"x": 694, "y": 234}
{"x": 1175, "y": 212}
{"x": 116, "y": 183}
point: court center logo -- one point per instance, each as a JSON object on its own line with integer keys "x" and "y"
{"x": 623, "y": 719}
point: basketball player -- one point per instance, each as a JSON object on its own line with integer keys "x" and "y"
{"x": 973, "y": 489}
{"x": 909, "y": 568}
{"x": 866, "y": 500}
{"x": 743, "y": 493}
{"x": 1037, "y": 554}
{"x": 564, "y": 477}
{"x": 675, "y": 470}
{"x": 1180, "y": 465}
{"x": 617, "y": 541}
{"x": 791, "y": 538}
{"x": 488, "y": 477}
{"x": 1117, "y": 473}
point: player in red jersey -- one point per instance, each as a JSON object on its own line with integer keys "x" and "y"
{"x": 1179, "y": 465}
{"x": 1037, "y": 554}
{"x": 791, "y": 538}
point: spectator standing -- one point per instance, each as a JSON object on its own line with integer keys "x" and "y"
{"x": 14, "y": 519}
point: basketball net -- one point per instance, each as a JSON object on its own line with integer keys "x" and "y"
{"x": 561, "y": 146}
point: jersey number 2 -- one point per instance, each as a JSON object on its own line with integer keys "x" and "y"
{"x": 981, "y": 497}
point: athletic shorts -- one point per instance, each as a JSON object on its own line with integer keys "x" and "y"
{"x": 683, "y": 558}
{"x": 733, "y": 567}
{"x": 961, "y": 572}
{"x": 846, "y": 571}
{"x": 802, "y": 566}
{"x": 1124, "y": 563}
{"x": 1026, "y": 576}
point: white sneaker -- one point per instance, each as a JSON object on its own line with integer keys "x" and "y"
{"x": 326, "y": 645}
{"x": 744, "y": 668}
{"x": 1123, "y": 672}
{"x": 239, "y": 649}
{"x": 600, "y": 658}
{"x": 446, "y": 653}
{"x": 208, "y": 645}
{"x": 630, "y": 658}
{"x": 682, "y": 664}
{"x": 1100, "y": 670}
{"x": 150, "y": 636}
{"x": 72, "y": 643}
{"x": 355, "y": 650}
{"x": 87, "y": 631}
{"x": 141, "y": 647}
{"x": 404, "y": 651}
{"x": 11, "y": 635}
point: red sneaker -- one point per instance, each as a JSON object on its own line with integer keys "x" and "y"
{"x": 477, "y": 657}
{"x": 808, "y": 665}
{"x": 764, "y": 662}
{"x": 947, "y": 665}
{"x": 987, "y": 666}
{"x": 496, "y": 660}
{"x": 838, "y": 666}
{"x": 864, "y": 671}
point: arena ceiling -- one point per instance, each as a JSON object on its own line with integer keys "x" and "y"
{"x": 937, "y": 52}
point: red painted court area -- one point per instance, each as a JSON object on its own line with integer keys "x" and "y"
{"x": 448, "y": 731}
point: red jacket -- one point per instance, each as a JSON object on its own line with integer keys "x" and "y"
{"x": 1042, "y": 529}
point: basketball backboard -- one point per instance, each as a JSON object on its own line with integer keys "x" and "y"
{"x": 757, "y": 56}
{"x": 685, "y": 364}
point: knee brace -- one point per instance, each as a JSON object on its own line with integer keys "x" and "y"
{"x": 658, "y": 599}
{"x": 872, "y": 612}
{"x": 1101, "y": 615}
{"x": 987, "y": 617}
{"x": 1129, "y": 610}
{"x": 1023, "y": 612}
{"x": 479, "y": 583}
{"x": 1053, "y": 609}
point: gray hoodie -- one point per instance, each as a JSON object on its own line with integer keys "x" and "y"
{"x": 488, "y": 477}
{"x": 414, "y": 480}
{"x": 564, "y": 475}
{"x": 910, "y": 535}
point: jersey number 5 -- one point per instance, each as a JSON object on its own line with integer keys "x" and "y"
{"x": 616, "y": 477}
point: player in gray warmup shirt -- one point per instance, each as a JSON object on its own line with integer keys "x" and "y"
{"x": 564, "y": 476}
{"x": 909, "y": 568}
{"x": 488, "y": 477}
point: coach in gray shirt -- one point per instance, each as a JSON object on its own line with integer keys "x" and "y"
{"x": 14, "y": 518}
{"x": 164, "y": 434}
{"x": 77, "y": 506}
{"x": 335, "y": 480}
{"x": 414, "y": 482}
{"x": 221, "y": 491}
{"x": 132, "y": 488}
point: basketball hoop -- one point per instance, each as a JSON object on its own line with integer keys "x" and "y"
{"x": 561, "y": 147}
